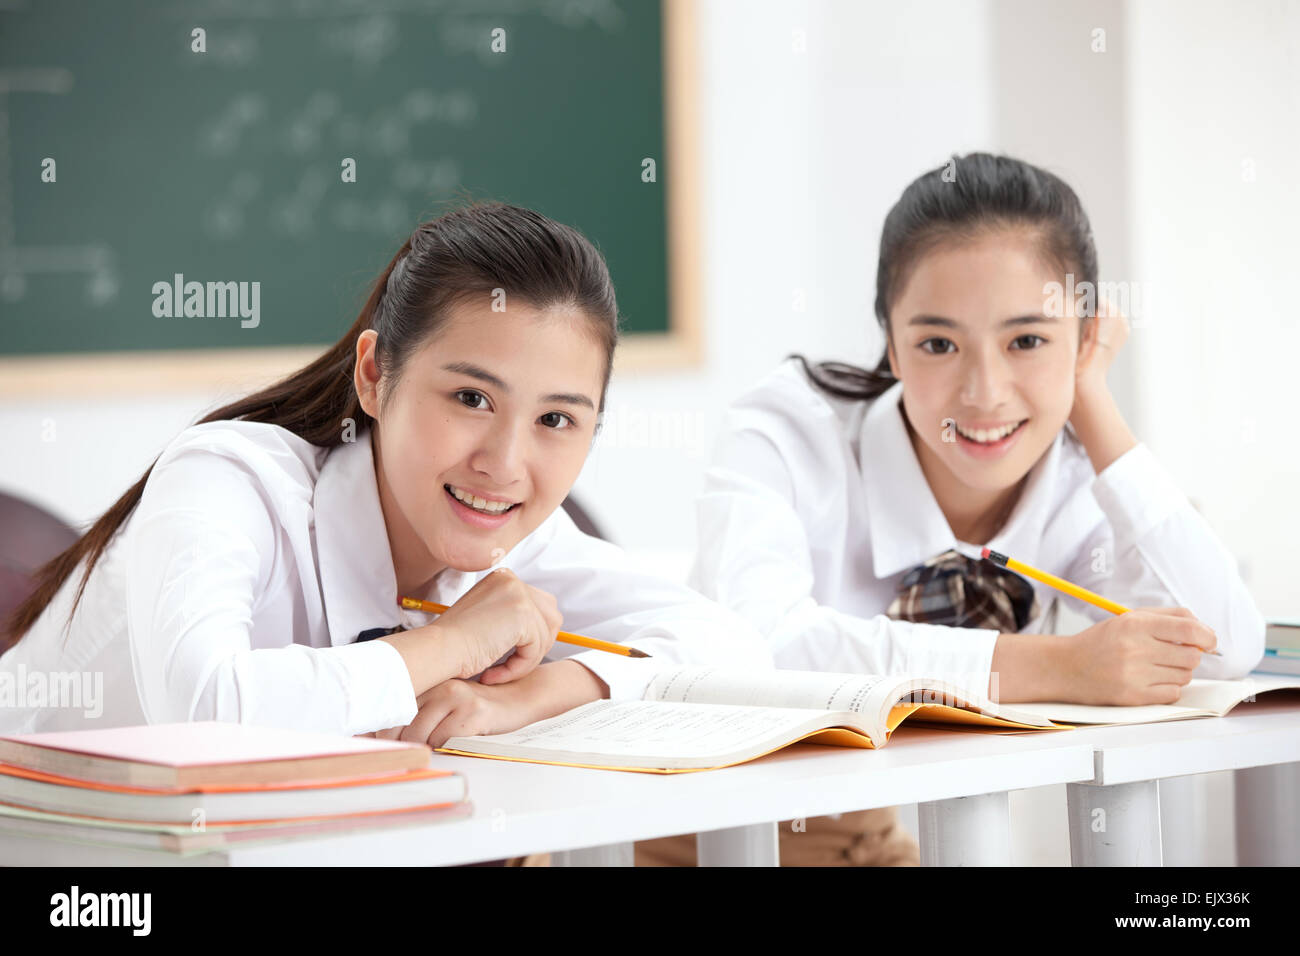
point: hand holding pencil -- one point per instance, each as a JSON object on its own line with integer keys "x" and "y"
{"x": 564, "y": 637}
{"x": 1064, "y": 586}
{"x": 498, "y": 615}
{"x": 508, "y": 589}
{"x": 1136, "y": 657}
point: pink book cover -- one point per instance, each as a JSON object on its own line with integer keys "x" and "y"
{"x": 206, "y": 742}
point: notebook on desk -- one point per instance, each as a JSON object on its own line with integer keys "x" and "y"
{"x": 1200, "y": 698}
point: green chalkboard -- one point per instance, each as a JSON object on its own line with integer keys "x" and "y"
{"x": 226, "y": 165}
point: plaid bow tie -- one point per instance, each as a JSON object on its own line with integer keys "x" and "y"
{"x": 958, "y": 591}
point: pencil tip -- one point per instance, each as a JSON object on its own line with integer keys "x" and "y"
{"x": 633, "y": 652}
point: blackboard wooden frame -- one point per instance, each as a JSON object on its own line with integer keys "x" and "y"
{"x": 237, "y": 371}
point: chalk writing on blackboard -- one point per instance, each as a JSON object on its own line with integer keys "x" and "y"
{"x": 93, "y": 260}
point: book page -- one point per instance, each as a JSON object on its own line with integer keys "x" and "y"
{"x": 1101, "y": 714}
{"x": 650, "y": 733}
{"x": 814, "y": 690}
{"x": 1221, "y": 696}
{"x": 636, "y": 726}
{"x": 871, "y": 696}
{"x": 1200, "y": 698}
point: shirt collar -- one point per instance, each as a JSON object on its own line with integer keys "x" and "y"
{"x": 358, "y": 580}
{"x": 907, "y": 525}
{"x": 355, "y": 562}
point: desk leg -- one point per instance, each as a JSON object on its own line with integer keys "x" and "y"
{"x": 738, "y": 846}
{"x": 1185, "y": 820}
{"x": 613, "y": 854}
{"x": 1114, "y": 826}
{"x": 965, "y": 831}
{"x": 1267, "y": 798}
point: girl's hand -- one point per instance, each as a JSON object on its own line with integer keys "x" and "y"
{"x": 1096, "y": 418}
{"x": 1103, "y": 336}
{"x": 461, "y": 708}
{"x": 1136, "y": 658}
{"x": 499, "y": 614}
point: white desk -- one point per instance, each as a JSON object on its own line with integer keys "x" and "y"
{"x": 1115, "y": 816}
{"x": 1260, "y": 740}
{"x": 528, "y": 808}
{"x": 960, "y": 781}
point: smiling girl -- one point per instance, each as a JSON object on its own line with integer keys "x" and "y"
{"x": 253, "y": 573}
{"x": 843, "y": 504}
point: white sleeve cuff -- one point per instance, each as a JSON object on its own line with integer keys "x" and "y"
{"x": 960, "y": 655}
{"x": 377, "y": 686}
{"x": 818, "y": 638}
{"x": 627, "y": 677}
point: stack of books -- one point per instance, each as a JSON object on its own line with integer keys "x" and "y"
{"x": 1281, "y": 648}
{"x": 196, "y": 787}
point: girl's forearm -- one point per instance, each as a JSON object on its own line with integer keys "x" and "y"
{"x": 428, "y": 660}
{"x": 1101, "y": 427}
{"x": 557, "y": 686}
{"x": 1029, "y": 667}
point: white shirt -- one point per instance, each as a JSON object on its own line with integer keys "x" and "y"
{"x": 237, "y": 587}
{"x": 815, "y": 507}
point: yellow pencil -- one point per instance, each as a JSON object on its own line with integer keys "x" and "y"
{"x": 564, "y": 636}
{"x": 1051, "y": 580}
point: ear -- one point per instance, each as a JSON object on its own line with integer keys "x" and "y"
{"x": 1087, "y": 342}
{"x": 893, "y": 359}
{"x": 365, "y": 373}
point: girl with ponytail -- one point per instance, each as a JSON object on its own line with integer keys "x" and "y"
{"x": 845, "y": 509}
{"x": 252, "y": 574}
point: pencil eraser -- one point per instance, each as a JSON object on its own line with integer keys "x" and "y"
{"x": 984, "y": 552}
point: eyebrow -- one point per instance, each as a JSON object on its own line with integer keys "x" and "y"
{"x": 483, "y": 375}
{"x": 953, "y": 324}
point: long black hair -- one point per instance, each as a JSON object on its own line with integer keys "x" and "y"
{"x": 959, "y": 200}
{"x": 470, "y": 251}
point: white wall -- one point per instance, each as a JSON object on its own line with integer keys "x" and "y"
{"x": 804, "y": 153}
{"x": 1213, "y": 136}
{"x": 1214, "y": 140}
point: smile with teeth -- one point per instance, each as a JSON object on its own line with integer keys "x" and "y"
{"x": 480, "y": 504}
{"x": 987, "y": 436}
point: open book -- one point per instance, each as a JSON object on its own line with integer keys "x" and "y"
{"x": 1200, "y": 698}
{"x": 705, "y": 718}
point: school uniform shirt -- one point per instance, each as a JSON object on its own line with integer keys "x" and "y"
{"x": 815, "y": 507}
{"x": 238, "y": 586}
